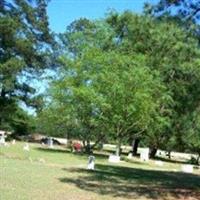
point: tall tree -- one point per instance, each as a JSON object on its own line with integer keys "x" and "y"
{"x": 186, "y": 13}
{"x": 170, "y": 50}
{"x": 25, "y": 42}
{"x": 182, "y": 9}
{"x": 107, "y": 95}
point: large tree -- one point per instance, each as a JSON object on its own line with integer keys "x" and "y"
{"x": 101, "y": 62}
{"x": 186, "y": 13}
{"x": 105, "y": 95}
{"x": 170, "y": 50}
{"x": 25, "y": 42}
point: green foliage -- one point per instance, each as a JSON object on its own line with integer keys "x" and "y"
{"x": 127, "y": 75}
{"x": 22, "y": 123}
{"x": 105, "y": 95}
{"x": 25, "y": 43}
{"x": 184, "y": 9}
{"x": 175, "y": 54}
{"x": 191, "y": 134}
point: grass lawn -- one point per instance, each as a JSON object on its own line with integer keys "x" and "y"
{"x": 57, "y": 174}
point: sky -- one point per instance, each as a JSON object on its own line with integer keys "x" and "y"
{"x": 62, "y": 12}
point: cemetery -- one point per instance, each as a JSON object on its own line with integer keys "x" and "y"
{"x": 59, "y": 173}
{"x": 99, "y": 99}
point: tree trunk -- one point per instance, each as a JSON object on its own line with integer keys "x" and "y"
{"x": 135, "y": 144}
{"x": 84, "y": 145}
{"x": 118, "y": 148}
{"x": 153, "y": 152}
{"x": 88, "y": 147}
{"x": 99, "y": 141}
{"x": 198, "y": 160}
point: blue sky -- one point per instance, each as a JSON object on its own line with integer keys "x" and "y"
{"x": 62, "y": 12}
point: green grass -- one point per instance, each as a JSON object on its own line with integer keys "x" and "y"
{"x": 53, "y": 174}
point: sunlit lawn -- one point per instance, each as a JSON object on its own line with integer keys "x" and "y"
{"x": 58, "y": 174}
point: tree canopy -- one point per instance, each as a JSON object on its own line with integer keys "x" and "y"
{"x": 25, "y": 43}
{"x": 128, "y": 74}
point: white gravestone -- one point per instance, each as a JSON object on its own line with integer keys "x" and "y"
{"x": 159, "y": 163}
{"x": 2, "y": 140}
{"x": 114, "y": 158}
{"x": 50, "y": 142}
{"x": 187, "y": 168}
{"x": 43, "y": 144}
{"x": 13, "y": 142}
{"x": 130, "y": 155}
{"x": 144, "y": 155}
{"x": 91, "y": 162}
{"x": 26, "y": 147}
{"x": 6, "y": 144}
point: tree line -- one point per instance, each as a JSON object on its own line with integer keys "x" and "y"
{"x": 124, "y": 78}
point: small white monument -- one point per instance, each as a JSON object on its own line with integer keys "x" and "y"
{"x": 187, "y": 168}
{"x": 114, "y": 158}
{"x": 159, "y": 163}
{"x": 91, "y": 162}
{"x": 13, "y": 141}
{"x": 26, "y": 147}
{"x": 144, "y": 155}
{"x": 50, "y": 142}
{"x": 129, "y": 155}
{"x": 6, "y": 144}
{"x": 43, "y": 144}
{"x": 2, "y": 139}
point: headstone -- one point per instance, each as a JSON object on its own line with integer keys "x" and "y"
{"x": 26, "y": 147}
{"x": 159, "y": 163}
{"x": 6, "y": 144}
{"x": 2, "y": 140}
{"x": 91, "y": 162}
{"x": 130, "y": 155}
{"x": 144, "y": 155}
{"x": 50, "y": 142}
{"x": 13, "y": 141}
{"x": 114, "y": 159}
{"x": 187, "y": 168}
{"x": 43, "y": 144}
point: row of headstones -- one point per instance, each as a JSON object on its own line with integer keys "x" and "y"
{"x": 112, "y": 159}
{"x": 26, "y": 146}
{"x": 144, "y": 156}
{"x": 4, "y": 143}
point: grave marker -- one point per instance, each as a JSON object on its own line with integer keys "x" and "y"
{"x": 130, "y": 155}
{"x": 114, "y": 158}
{"x": 144, "y": 155}
{"x": 26, "y": 147}
{"x": 91, "y": 162}
{"x": 2, "y": 140}
{"x": 50, "y": 142}
{"x": 187, "y": 168}
{"x": 159, "y": 163}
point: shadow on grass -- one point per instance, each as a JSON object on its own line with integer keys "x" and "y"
{"x": 120, "y": 181}
{"x": 49, "y": 150}
{"x": 170, "y": 160}
{"x": 98, "y": 155}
